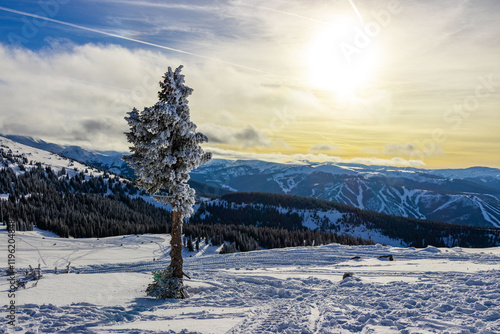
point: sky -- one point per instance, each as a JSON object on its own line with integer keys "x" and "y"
{"x": 404, "y": 83}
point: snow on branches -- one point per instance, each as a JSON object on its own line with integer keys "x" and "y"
{"x": 166, "y": 146}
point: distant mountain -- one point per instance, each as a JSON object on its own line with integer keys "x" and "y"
{"x": 108, "y": 160}
{"x": 462, "y": 196}
{"x": 489, "y": 177}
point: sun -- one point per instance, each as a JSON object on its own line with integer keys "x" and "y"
{"x": 342, "y": 58}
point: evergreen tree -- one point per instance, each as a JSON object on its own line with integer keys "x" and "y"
{"x": 166, "y": 147}
{"x": 190, "y": 244}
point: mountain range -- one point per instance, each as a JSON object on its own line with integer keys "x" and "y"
{"x": 469, "y": 196}
{"x": 71, "y": 198}
{"x": 466, "y": 197}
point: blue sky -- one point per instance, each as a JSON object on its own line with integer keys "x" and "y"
{"x": 161, "y": 23}
{"x": 414, "y": 83}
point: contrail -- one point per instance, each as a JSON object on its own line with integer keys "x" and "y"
{"x": 135, "y": 40}
{"x": 357, "y": 11}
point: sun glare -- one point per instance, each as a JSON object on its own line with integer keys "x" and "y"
{"x": 342, "y": 58}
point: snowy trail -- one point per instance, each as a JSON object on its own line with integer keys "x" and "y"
{"x": 297, "y": 290}
{"x": 488, "y": 216}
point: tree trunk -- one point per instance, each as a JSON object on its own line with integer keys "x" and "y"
{"x": 176, "y": 244}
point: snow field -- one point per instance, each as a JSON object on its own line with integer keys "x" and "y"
{"x": 296, "y": 290}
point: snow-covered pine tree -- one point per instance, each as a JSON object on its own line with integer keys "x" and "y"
{"x": 166, "y": 147}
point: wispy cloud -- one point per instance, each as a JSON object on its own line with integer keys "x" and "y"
{"x": 284, "y": 158}
{"x": 323, "y": 148}
{"x": 184, "y": 6}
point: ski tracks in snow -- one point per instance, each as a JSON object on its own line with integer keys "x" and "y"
{"x": 430, "y": 302}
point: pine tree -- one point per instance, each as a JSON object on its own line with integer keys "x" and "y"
{"x": 190, "y": 244}
{"x": 166, "y": 147}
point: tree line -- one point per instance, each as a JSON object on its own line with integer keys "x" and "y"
{"x": 245, "y": 238}
{"x": 79, "y": 207}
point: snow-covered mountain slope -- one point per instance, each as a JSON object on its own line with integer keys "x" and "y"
{"x": 32, "y": 156}
{"x": 294, "y": 290}
{"x": 104, "y": 160}
{"x": 39, "y": 188}
{"x": 109, "y": 160}
{"x": 467, "y": 197}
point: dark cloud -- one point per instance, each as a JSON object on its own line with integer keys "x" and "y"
{"x": 247, "y": 137}
{"x": 398, "y": 149}
{"x": 96, "y": 126}
{"x": 251, "y": 137}
{"x": 323, "y": 148}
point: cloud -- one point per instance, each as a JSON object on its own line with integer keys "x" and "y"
{"x": 248, "y": 137}
{"x": 400, "y": 149}
{"x": 412, "y": 150}
{"x": 77, "y": 95}
{"x": 251, "y": 137}
{"x": 318, "y": 148}
{"x": 219, "y": 153}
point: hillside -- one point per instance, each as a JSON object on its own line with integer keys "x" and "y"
{"x": 110, "y": 161}
{"x": 294, "y": 212}
{"x": 55, "y": 193}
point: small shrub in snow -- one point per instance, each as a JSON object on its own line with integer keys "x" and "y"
{"x": 34, "y": 273}
{"x": 347, "y": 275}
{"x": 20, "y": 284}
{"x": 228, "y": 248}
{"x": 166, "y": 286}
{"x": 11, "y": 271}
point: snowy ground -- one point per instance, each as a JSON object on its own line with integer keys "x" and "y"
{"x": 297, "y": 290}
